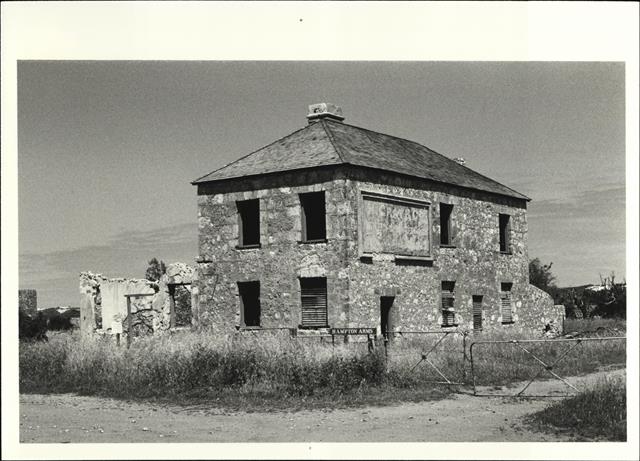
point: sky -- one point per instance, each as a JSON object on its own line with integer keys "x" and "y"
{"x": 107, "y": 149}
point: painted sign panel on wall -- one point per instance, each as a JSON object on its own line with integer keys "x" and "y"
{"x": 395, "y": 225}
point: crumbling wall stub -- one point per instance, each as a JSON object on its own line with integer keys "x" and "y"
{"x": 89, "y": 286}
{"x": 28, "y": 302}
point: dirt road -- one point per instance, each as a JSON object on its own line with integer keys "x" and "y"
{"x": 461, "y": 418}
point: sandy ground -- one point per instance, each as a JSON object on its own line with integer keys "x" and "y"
{"x": 461, "y": 418}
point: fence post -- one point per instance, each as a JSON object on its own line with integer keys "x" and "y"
{"x": 464, "y": 356}
{"x": 473, "y": 375}
{"x": 129, "y": 322}
{"x": 385, "y": 341}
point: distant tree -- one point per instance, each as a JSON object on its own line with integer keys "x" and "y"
{"x": 155, "y": 270}
{"x": 611, "y": 301}
{"x": 540, "y": 275}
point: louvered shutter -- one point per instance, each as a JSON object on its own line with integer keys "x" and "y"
{"x": 505, "y": 299}
{"x": 477, "y": 313}
{"x": 314, "y": 302}
{"x": 448, "y": 314}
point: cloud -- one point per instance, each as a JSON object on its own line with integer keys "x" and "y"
{"x": 55, "y": 274}
{"x": 582, "y": 233}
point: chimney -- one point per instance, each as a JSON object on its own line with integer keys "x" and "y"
{"x": 324, "y": 110}
{"x": 460, "y": 160}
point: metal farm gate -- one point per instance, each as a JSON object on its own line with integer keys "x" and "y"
{"x": 438, "y": 355}
{"x": 517, "y": 368}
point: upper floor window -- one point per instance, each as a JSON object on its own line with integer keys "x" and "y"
{"x": 446, "y": 235}
{"x": 314, "y": 226}
{"x": 248, "y": 223}
{"x": 505, "y": 231}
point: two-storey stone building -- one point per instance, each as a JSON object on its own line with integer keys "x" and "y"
{"x": 339, "y": 226}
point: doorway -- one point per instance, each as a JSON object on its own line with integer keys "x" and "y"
{"x": 386, "y": 316}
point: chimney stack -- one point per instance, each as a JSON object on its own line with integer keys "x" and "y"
{"x": 324, "y": 110}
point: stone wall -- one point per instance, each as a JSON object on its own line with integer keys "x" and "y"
{"x": 355, "y": 282}
{"x": 280, "y": 261}
{"x": 103, "y": 305}
{"x": 28, "y": 302}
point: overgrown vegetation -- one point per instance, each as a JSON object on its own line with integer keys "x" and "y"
{"x": 270, "y": 370}
{"x": 505, "y": 363}
{"x": 198, "y": 366}
{"x": 540, "y": 275}
{"x": 609, "y": 299}
{"x": 155, "y": 270}
{"x": 598, "y": 413}
{"x": 590, "y": 327}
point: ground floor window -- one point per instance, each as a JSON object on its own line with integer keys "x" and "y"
{"x": 182, "y": 305}
{"x": 477, "y": 312}
{"x": 313, "y": 292}
{"x": 506, "y": 302}
{"x": 249, "y": 303}
{"x": 448, "y": 303}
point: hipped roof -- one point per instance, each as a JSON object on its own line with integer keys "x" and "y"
{"x": 329, "y": 142}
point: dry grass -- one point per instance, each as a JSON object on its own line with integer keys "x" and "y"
{"x": 199, "y": 366}
{"x": 608, "y": 327}
{"x": 271, "y": 370}
{"x": 598, "y": 413}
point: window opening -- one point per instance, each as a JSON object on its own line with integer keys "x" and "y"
{"x": 249, "y": 303}
{"x": 313, "y": 293}
{"x": 182, "y": 305}
{"x": 249, "y": 223}
{"x": 477, "y": 312}
{"x": 505, "y": 230}
{"x": 445, "y": 224}
{"x": 448, "y": 302}
{"x": 313, "y": 217}
{"x": 506, "y": 302}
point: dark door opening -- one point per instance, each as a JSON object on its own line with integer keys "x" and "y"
{"x": 249, "y": 303}
{"x": 386, "y": 316}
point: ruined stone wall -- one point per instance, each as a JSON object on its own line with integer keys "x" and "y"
{"x": 355, "y": 284}
{"x": 28, "y": 302}
{"x": 103, "y": 305}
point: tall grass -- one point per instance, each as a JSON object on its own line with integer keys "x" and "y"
{"x": 198, "y": 364}
{"x": 600, "y": 412}
{"x": 608, "y": 327}
{"x": 189, "y": 365}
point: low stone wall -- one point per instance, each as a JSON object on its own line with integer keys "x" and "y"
{"x": 538, "y": 313}
{"x": 103, "y": 304}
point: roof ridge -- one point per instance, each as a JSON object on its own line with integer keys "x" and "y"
{"x": 249, "y": 154}
{"x": 332, "y": 141}
{"x": 434, "y": 152}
